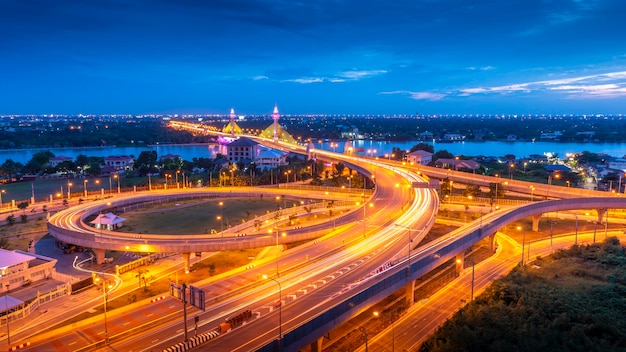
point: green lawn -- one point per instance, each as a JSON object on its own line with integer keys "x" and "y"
{"x": 196, "y": 217}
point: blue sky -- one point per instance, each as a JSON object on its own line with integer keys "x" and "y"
{"x": 335, "y": 57}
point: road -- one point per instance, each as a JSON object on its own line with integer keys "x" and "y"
{"x": 334, "y": 262}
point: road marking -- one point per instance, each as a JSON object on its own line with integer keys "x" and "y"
{"x": 155, "y": 341}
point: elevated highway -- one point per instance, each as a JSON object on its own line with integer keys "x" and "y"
{"x": 368, "y": 261}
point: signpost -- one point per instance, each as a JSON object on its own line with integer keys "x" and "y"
{"x": 196, "y": 299}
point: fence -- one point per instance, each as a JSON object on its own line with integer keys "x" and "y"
{"x": 120, "y": 269}
{"x": 25, "y": 310}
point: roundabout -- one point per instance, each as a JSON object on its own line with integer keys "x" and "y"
{"x": 72, "y": 225}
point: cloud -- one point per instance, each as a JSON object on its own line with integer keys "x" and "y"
{"x": 417, "y": 95}
{"x": 484, "y": 68}
{"x": 258, "y": 78}
{"x": 306, "y": 80}
{"x": 356, "y": 75}
{"x": 600, "y": 90}
{"x": 602, "y": 85}
{"x": 344, "y": 76}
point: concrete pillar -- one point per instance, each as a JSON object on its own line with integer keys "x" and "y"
{"x": 409, "y": 290}
{"x": 99, "y": 255}
{"x": 536, "y": 222}
{"x": 316, "y": 346}
{"x": 492, "y": 239}
{"x": 186, "y": 261}
{"x": 601, "y": 213}
{"x": 460, "y": 258}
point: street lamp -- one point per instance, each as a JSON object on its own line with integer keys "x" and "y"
{"x": 408, "y": 266}
{"x": 85, "y": 187}
{"x": 2, "y": 191}
{"x": 105, "y": 298}
{"x": 519, "y": 228}
{"x": 69, "y": 190}
{"x": 280, "y": 310}
{"x": 393, "y": 333}
{"x": 117, "y": 177}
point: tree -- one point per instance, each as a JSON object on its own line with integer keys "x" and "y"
{"x": 496, "y": 191}
{"x": 442, "y": 154}
{"x": 340, "y": 167}
{"x": 142, "y": 276}
{"x": 10, "y": 168}
{"x": 82, "y": 161}
{"x": 445, "y": 187}
{"x": 145, "y": 161}
{"x": 22, "y": 206}
{"x": 11, "y": 220}
{"x": 397, "y": 153}
{"x": 471, "y": 190}
{"x": 423, "y": 146}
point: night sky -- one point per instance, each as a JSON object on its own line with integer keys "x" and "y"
{"x": 317, "y": 56}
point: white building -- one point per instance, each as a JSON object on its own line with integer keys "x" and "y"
{"x": 419, "y": 157}
{"x": 242, "y": 149}
{"x": 271, "y": 159}
{"x": 19, "y": 268}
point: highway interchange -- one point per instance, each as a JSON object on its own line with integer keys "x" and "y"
{"x": 313, "y": 277}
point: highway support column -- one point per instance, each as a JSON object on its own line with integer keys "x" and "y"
{"x": 186, "y": 261}
{"x": 410, "y": 292}
{"x": 601, "y": 213}
{"x": 316, "y": 346}
{"x": 536, "y": 222}
{"x": 492, "y": 239}
{"x": 100, "y": 253}
{"x": 460, "y": 258}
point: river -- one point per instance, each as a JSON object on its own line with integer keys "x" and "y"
{"x": 188, "y": 152}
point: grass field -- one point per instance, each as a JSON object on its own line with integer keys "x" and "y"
{"x": 195, "y": 217}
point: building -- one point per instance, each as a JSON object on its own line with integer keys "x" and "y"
{"x": 271, "y": 159}
{"x": 172, "y": 157}
{"x": 419, "y": 157}
{"x": 54, "y": 162}
{"x": 19, "y": 268}
{"x": 119, "y": 162}
{"x": 242, "y": 149}
{"x": 457, "y": 164}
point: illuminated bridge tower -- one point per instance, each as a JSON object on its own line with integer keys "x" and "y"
{"x": 275, "y": 117}
{"x": 232, "y": 121}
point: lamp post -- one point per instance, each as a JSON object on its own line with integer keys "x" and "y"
{"x": 117, "y": 177}
{"x": 2, "y": 191}
{"x": 472, "y": 298}
{"x": 85, "y": 187}
{"x": 110, "y": 185}
{"x": 362, "y": 330}
{"x": 69, "y": 190}
{"x": 519, "y": 228}
{"x": 408, "y": 266}
{"x": 105, "y": 299}
{"x": 176, "y": 174}
{"x": 393, "y": 333}
{"x": 280, "y": 311}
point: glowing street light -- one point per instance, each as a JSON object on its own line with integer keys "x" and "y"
{"x": 280, "y": 310}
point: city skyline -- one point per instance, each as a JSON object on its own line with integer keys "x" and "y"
{"x": 340, "y": 57}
